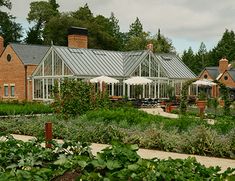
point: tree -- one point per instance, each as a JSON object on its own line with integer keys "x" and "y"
{"x": 224, "y": 48}
{"x": 56, "y": 29}
{"x": 83, "y": 14}
{"x": 188, "y": 58}
{"x": 136, "y": 28}
{"x": 54, "y": 5}
{"x": 201, "y": 59}
{"x": 9, "y": 29}
{"x": 161, "y": 44}
{"x": 40, "y": 13}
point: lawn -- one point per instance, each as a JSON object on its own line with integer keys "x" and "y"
{"x": 128, "y": 125}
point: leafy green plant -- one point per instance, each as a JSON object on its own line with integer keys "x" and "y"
{"x": 201, "y": 96}
{"x": 76, "y": 97}
{"x": 24, "y": 108}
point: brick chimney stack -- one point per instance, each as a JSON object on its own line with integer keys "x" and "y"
{"x": 150, "y": 47}
{"x": 223, "y": 65}
{"x": 77, "y": 37}
{"x": 1, "y": 44}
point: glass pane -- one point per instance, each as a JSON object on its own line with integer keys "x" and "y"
{"x": 48, "y": 65}
{"x": 58, "y": 65}
{"x": 12, "y": 91}
{"x": 38, "y": 88}
{"x": 136, "y": 72}
{"x": 154, "y": 68}
{"x": 145, "y": 68}
{"x": 50, "y": 88}
{"x": 5, "y": 90}
{"x": 39, "y": 72}
{"x": 67, "y": 71}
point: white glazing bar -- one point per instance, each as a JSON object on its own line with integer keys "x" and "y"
{"x": 123, "y": 89}
{"x": 128, "y": 90}
{"x": 143, "y": 91}
{"x": 112, "y": 89}
{"x": 43, "y": 90}
{"x": 46, "y": 88}
{"x": 158, "y": 88}
{"x": 33, "y": 89}
{"x": 155, "y": 89}
{"x": 53, "y": 62}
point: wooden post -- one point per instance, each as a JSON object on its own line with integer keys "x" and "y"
{"x": 48, "y": 134}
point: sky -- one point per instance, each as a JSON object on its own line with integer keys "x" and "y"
{"x": 186, "y": 22}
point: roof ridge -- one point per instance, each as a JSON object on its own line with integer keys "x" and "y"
{"x": 24, "y": 44}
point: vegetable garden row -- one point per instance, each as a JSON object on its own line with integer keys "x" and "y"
{"x": 73, "y": 160}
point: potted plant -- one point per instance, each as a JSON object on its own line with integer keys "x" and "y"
{"x": 201, "y": 103}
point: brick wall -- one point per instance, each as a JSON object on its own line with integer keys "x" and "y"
{"x": 12, "y": 73}
{"x": 205, "y": 72}
{"x": 227, "y": 80}
{"x": 77, "y": 41}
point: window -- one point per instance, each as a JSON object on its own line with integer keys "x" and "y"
{"x": 12, "y": 91}
{"x": 5, "y": 90}
{"x": 205, "y": 76}
{"x": 225, "y": 77}
{"x": 8, "y": 57}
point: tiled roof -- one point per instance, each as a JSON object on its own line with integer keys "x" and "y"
{"x": 30, "y": 54}
{"x": 213, "y": 71}
{"x": 232, "y": 73}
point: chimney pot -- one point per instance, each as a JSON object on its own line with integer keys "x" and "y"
{"x": 150, "y": 47}
{"x": 223, "y": 65}
{"x": 77, "y": 37}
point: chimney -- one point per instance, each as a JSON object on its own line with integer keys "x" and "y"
{"x": 223, "y": 65}
{"x": 1, "y": 44}
{"x": 77, "y": 37}
{"x": 150, "y": 47}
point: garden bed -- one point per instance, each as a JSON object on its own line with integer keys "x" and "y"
{"x": 184, "y": 135}
{"x": 25, "y": 108}
{"x": 72, "y": 160}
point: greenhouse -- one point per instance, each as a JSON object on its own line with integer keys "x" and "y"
{"x": 165, "y": 70}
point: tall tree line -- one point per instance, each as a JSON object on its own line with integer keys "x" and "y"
{"x": 225, "y": 48}
{"x": 49, "y": 25}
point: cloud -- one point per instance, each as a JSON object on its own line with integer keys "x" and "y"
{"x": 194, "y": 21}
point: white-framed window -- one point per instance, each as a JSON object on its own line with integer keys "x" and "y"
{"x": 6, "y": 90}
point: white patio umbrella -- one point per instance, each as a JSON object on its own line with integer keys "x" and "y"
{"x": 204, "y": 82}
{"x": 105, "y": 79}
{"x": 137, "y": 81}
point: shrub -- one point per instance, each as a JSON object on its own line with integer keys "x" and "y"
{"x": 76, "y": 97}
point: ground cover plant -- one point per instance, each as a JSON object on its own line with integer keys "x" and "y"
{"x": 23, "y": 108}
{"x": 128, "y": 125}
{"x": 72, "y": 160}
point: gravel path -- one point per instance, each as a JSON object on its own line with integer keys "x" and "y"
{"x": 159, "y": 111}
{"x": 148, "y": 154}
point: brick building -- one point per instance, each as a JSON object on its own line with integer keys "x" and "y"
{"x": 224, "y": 73}
{"x": 17, "y": 62}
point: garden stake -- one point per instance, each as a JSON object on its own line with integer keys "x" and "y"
{"x": 48, "y": 134}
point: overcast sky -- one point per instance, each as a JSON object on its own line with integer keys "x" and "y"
{"x": 185, "y": 22}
